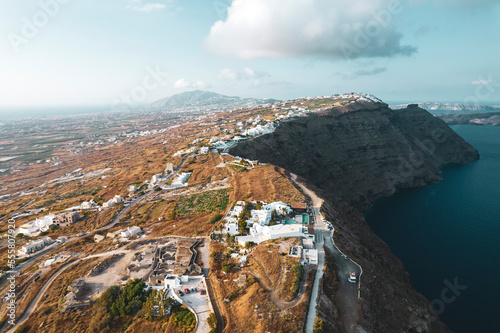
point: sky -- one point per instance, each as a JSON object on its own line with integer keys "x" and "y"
{"x": 57, "y": 53}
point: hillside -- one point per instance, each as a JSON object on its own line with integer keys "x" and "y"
{"x": 205, "y": 99}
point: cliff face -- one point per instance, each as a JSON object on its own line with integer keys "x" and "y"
{"x": 362, "y": 152}
{"x": 352, "y": 156}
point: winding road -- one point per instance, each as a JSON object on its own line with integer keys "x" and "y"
{"x": 347, "y": 294}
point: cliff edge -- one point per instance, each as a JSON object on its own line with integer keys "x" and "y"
{"x": 351, "y": 156}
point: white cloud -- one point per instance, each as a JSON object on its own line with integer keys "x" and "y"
{"x": 247, "y": 73}
{"x": 146, "y": 6}
{"x": 249, "y": 76}
{"x": 319, "y": 28}
{"x": 229, "y": 74}
{"x": 181, "y": 83}
{"x": 198, "y": 84}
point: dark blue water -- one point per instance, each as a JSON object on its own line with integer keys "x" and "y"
{"x": 451, "y": 230}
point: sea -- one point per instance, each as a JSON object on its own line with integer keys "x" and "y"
{"x": 448, "y": 236}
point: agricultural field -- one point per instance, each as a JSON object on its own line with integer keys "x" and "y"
{"x": 209, "y": 201}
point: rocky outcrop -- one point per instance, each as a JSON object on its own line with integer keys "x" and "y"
{"x": 351, "y": 156}
{"x": 363, "y": 151}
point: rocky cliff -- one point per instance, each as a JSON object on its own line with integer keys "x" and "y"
{"x": 362, "y": 151}
{"x": 351, "y": 156}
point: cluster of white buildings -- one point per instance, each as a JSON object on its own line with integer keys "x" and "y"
{"x": 258, "y": 216}
{"x": 258, "y": 223}
{"x": 40, "y": 224}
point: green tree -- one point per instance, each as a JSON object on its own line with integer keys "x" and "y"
{"x": 212, "y": 320}
{"x": 225, "y": 267}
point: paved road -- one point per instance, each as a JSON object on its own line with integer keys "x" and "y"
{"x": 347, "y": 296}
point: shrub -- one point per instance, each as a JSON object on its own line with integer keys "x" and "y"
{"x": 212, "y": 320}
{"x": 298, "y": 272}
{"x": 215, "y": 218}
{"x": 249, "y": 245}
{"x": 234, "y": 294}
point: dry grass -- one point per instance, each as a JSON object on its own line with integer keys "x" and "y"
{"x": 264, "y": 183}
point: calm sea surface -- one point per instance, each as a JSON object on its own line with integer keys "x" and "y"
{"x": 449, "y": 233}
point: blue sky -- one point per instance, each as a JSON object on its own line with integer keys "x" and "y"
{"x": 76, "y": 52}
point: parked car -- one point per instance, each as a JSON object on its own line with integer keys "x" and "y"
{"x": 352, "y": 277}
{"x": 186, "y": 290}
{"x": 345, "y": 256}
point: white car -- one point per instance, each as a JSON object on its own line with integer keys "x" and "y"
{"x": 352, "y": 277}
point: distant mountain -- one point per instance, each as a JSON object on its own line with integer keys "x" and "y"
{"x": 449, "y": 106}
{"x": 490, "y": 118}
{"x": 205, "y": 100}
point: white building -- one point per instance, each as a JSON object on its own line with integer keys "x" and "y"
{"x": 35, "y": 245}
{"x": 172, "y": 281}
{"x": 232, "y": 229}
{"x": 40, "y": 224}
{"x": 169, "y": 168}
{"x": 204, "y": 150}
{"x": 108, "y": 204}
{"x": 310, "y": 256}
{"x": 260, "y": 216}
{"x": 130, "y": 231}
{"x": 181, "y": 179}
{"x": 280, "y": 208}
{"x": 45, "y": 222}
{"x": 89, "y": 204}
{"x": 28, "y": 229}
{"x": 259, "y": 233}
{"x": 112, "y": 202}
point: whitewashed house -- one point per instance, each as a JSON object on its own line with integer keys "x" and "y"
{"x": 232, "y": 229}
{"x": 280, "y": 208}
{"x": 172, "y": 281}
{"x": 35, "y": 245}
{"x": 130, "y": 231}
